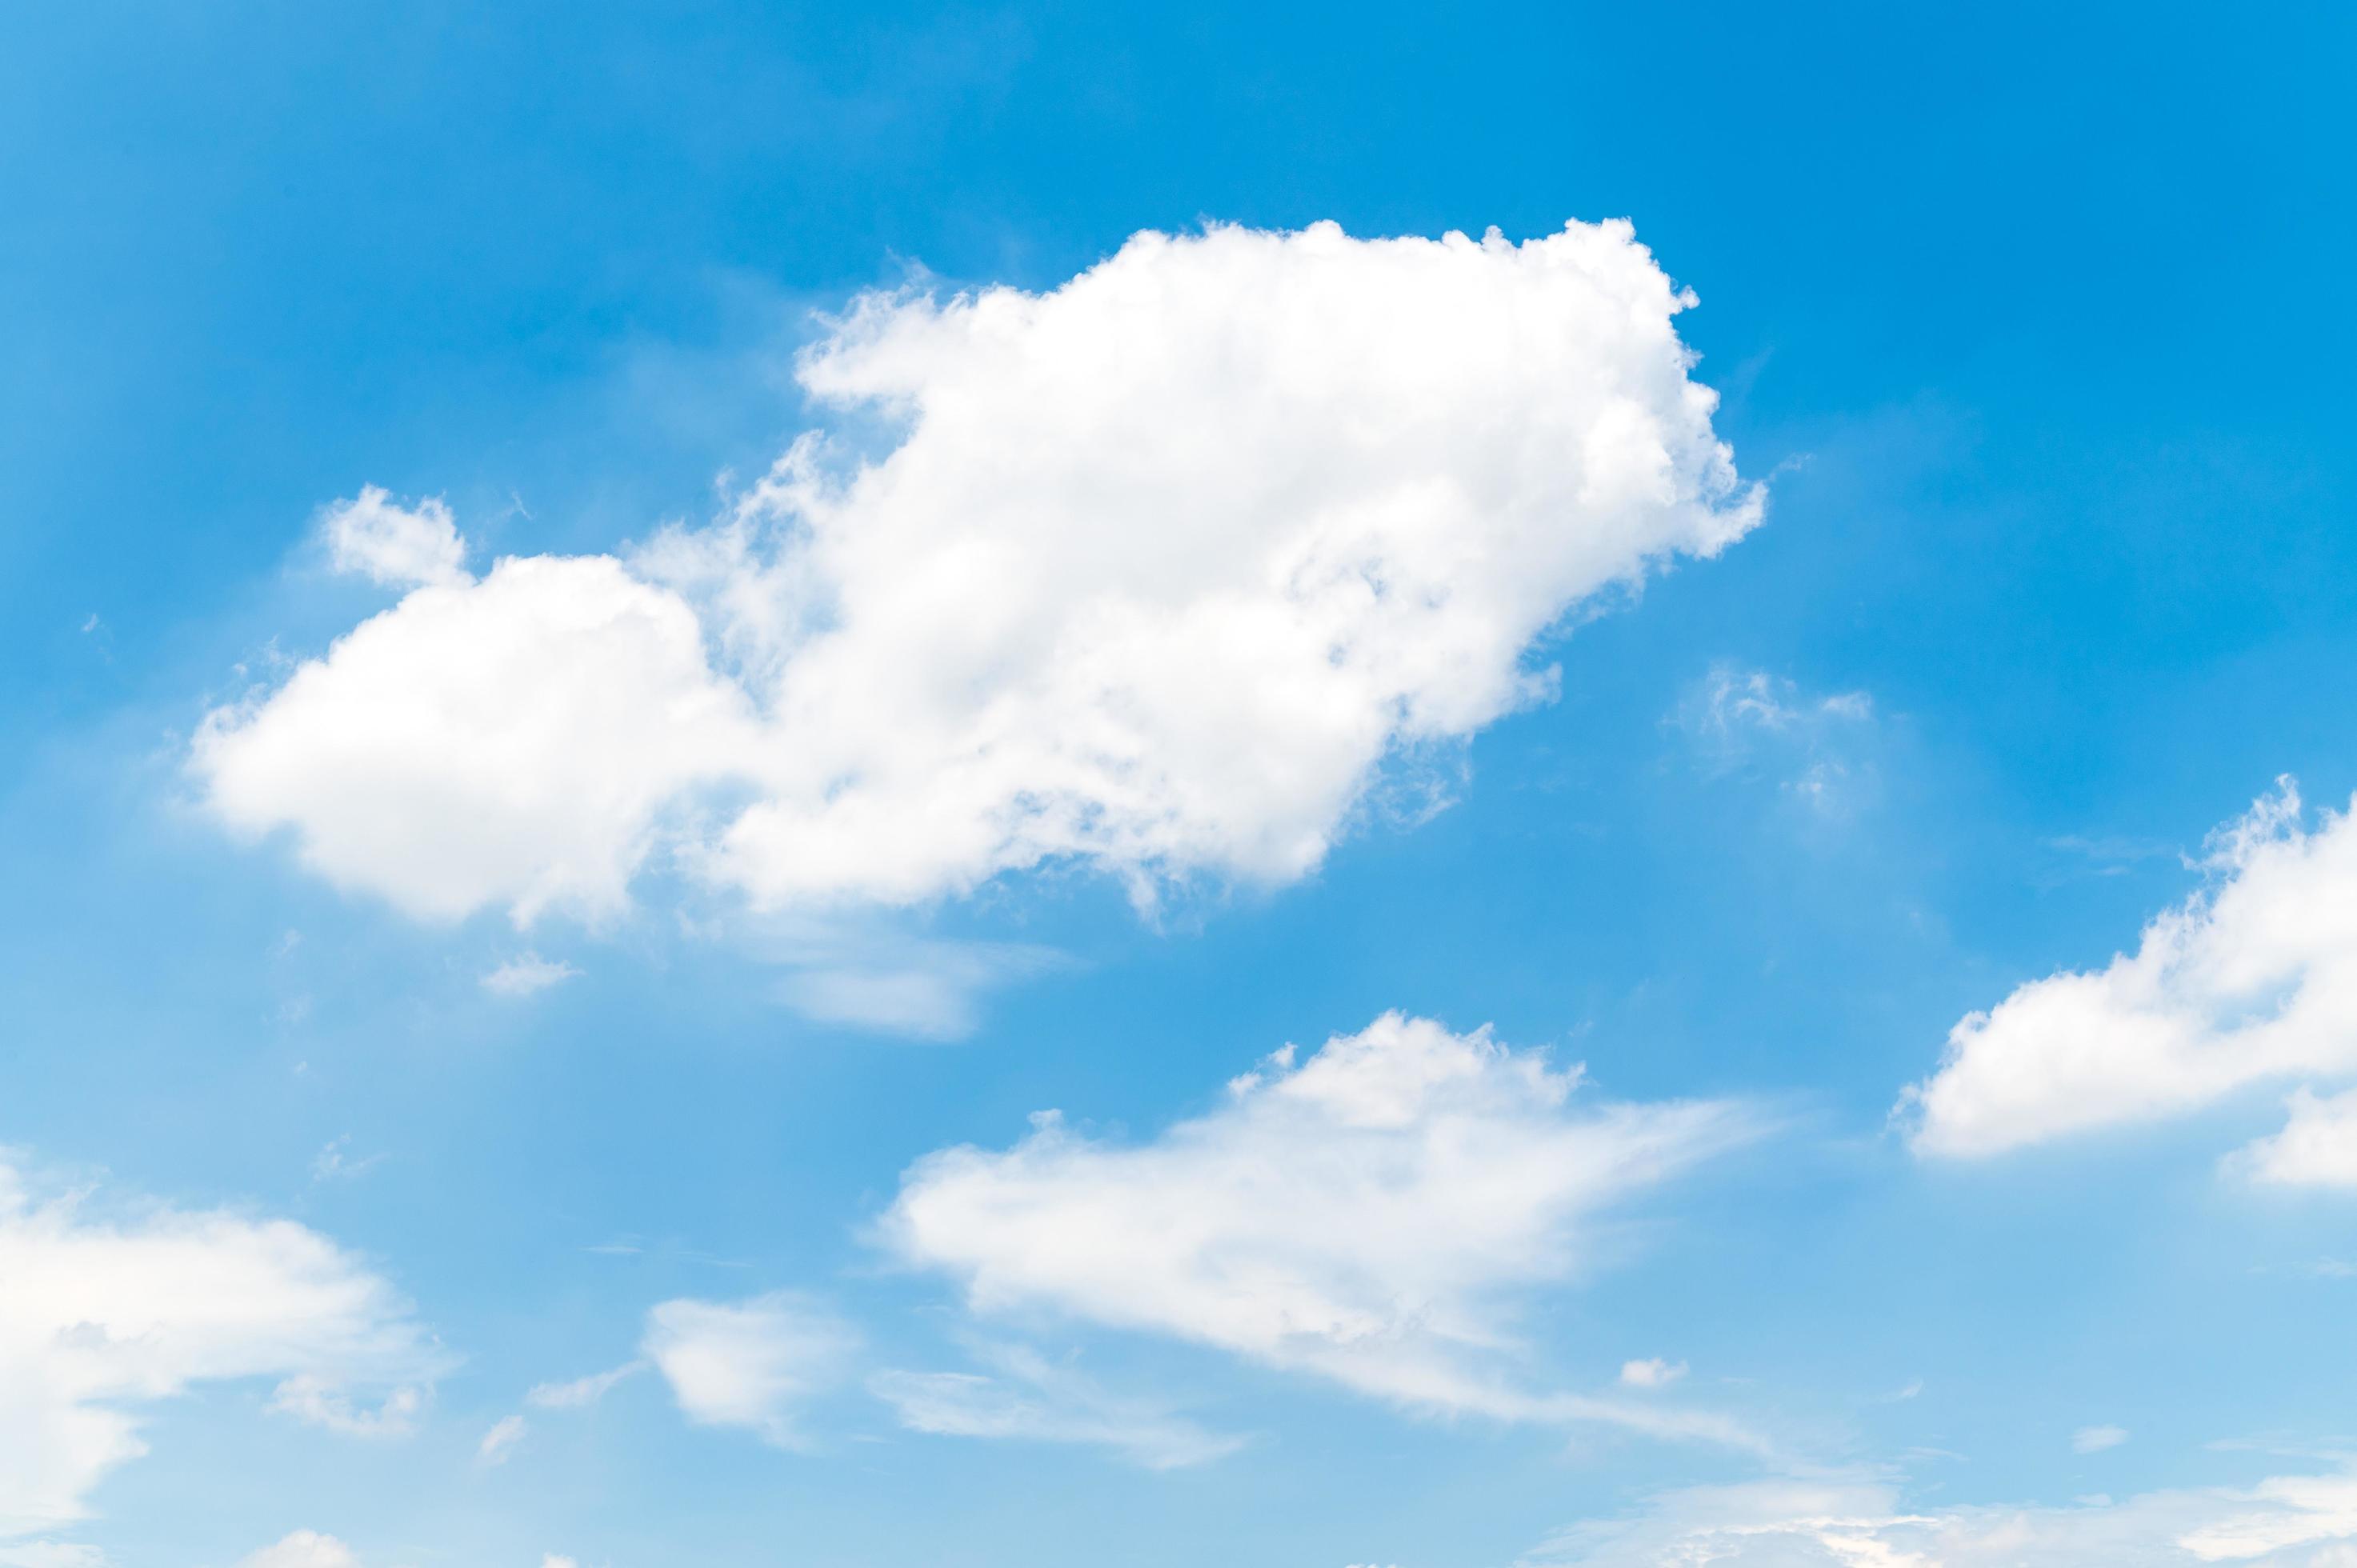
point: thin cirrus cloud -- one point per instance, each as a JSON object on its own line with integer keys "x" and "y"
{"x": 1742, "y": 718}
{"x": 580, "y": 1393}
{"x": 1028, "y": 1398}
{"x": 103, "y": 1314}
{"x": 2250, "y": 981}
{"x": 2301, "y": 1521}
{"x": 1373, "y": 1215}
{"x": 498, "y": 1444}
{"x": 1171, "y": 568}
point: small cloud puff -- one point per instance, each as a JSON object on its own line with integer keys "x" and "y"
{"x": 394, "y": 546}
{"x": 751, "y": 1363}
{"x": 527, "y": 975}
{"x": 1655, "y": 1373}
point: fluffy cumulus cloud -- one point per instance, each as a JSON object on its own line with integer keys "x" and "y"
{"x": 2252, "y": 979}
{"x": 2290, "y": 1521}
{"x": 2318, "y": 1147}
{"x": 1165, "y": 571}
{"x": 1653, "y": 1373}
{"x": 1373, "y": 1214}
{"x": 103, "y": 1314}
{"x": 510, "y": 741}
{"x": 751, "y": 1364}
{"x": 392, "y": 545}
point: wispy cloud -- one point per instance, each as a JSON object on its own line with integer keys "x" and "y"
{"x": 1369, "y": 1214}
{"x": 1026, "y": 1397}
{"x": 334, "y": 1163}
{"x": 581, "y": 1392}
{"x": 500, "y": 1442}
{"x": 1735, "y": 717}
{"x": 2305, "y": 1520}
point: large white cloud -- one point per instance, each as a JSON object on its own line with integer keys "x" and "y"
{"x": 1165, "y": 564}
{"x": 98, "y": 1315}
{"x": 2254, "y": 979}
{"x": 1374, "y": 1214}
{"x": 2290, "y": 1521}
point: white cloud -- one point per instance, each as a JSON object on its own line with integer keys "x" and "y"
{"x": 2318, "y": 1147}
{"x": 2254, "y": 978}
{"x": 2294, "y": 1522}
{"x": 333, "y": 1162}
{"x": 1031, "y": 1399}
{"x": 51, "y": 1555}
{"x": 929, "y": 989}
{"x": 581, "y": 1392}
{"x": 748, "y": 1363}
{"x": 1170, "y": 565}
{"x": 500, "y": 1441}
{"x": 526, "y": 975}
{"x": 309, "y": 1549}
{"x": 101, "y": 1315}
{"x": 1655, "y": 1373}
{"x": 304, "y": 1548}
{"x": 1736, "y": 716}
{"x": 1374, "y": 1214}
{"x": 392, "y": 545}
{"x": 511, "y": 742}
{"x": 324, "y": 1402}
{"x": 2096, "y": 1439}
{"x": 1731, "y": 704}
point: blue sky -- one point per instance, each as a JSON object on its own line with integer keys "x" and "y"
{"x": 505, "y": 886}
